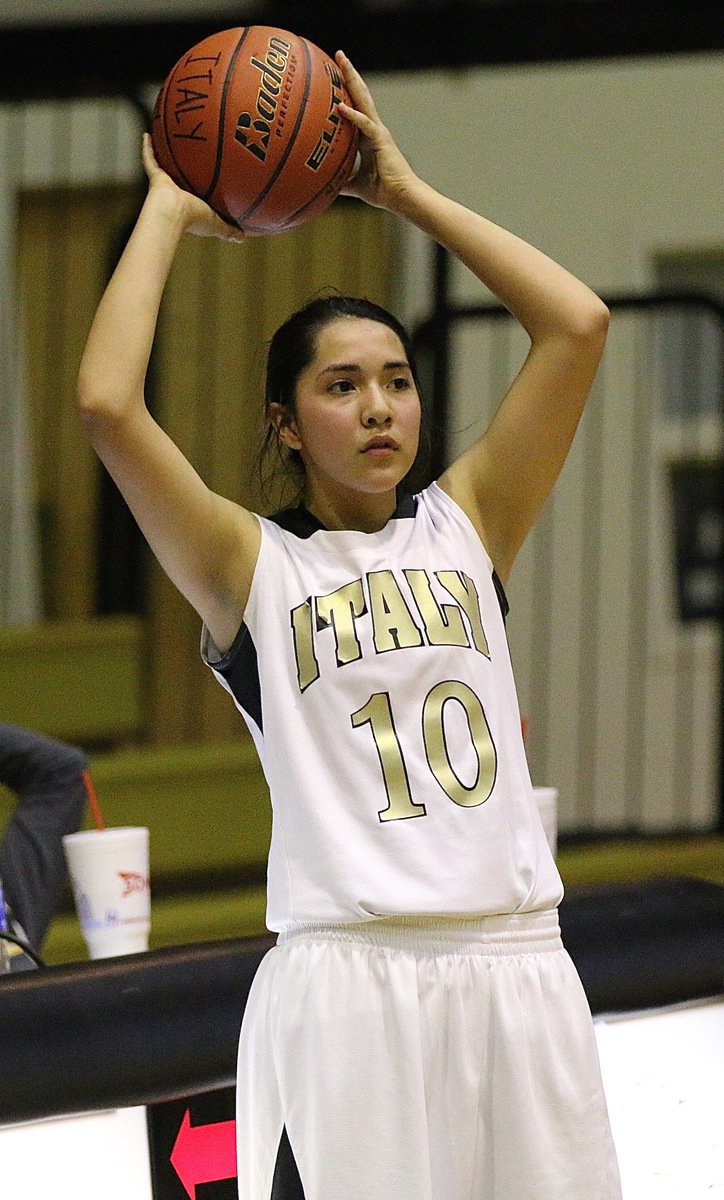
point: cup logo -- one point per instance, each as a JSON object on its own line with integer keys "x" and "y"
{"x": 133, "y": 881}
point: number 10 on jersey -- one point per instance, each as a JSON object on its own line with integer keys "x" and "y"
{"x": 377, "y": 713}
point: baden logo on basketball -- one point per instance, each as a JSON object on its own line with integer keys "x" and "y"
{"x": 254, "y": 132}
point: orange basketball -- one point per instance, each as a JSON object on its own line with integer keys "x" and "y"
{"x": 248, "y": 121}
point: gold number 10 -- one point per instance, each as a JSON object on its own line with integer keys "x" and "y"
{"x": 377, "y": 713}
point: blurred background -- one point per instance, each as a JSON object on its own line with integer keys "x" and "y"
{"x": 593, "y": 129}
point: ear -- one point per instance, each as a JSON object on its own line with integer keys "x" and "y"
{"x": 284, "y": 426}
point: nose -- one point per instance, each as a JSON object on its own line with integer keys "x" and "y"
{"x": 376, "y": 410}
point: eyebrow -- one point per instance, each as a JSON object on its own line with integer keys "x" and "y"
{"x": 355, "y": 368}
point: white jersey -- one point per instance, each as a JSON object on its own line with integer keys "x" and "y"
{"x": 374, "y": 674}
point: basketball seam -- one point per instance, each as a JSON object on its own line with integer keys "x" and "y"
{"x": 222, "y": 113}
{"x": 182, "y": 177}
{"x": 351, "y": 148}
{"x": 290, "y": 142}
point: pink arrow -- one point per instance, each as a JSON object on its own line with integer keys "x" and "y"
{"x": 204, "y": 1153}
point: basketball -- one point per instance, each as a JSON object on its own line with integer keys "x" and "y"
{"x": 248, "y": 121}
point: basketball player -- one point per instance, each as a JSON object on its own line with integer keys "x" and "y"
{"x": 418, "y": 1033}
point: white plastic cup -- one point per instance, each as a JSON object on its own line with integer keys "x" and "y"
{"x": 546, "y": 799}
{"x": 109, "y": 874}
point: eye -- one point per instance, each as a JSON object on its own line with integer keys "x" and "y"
{"x": 341, "y": 386}
{"x": 400, "y": 383}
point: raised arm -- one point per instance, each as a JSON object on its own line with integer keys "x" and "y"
{"x": 504, "y": 478}
{"x": 205, "y": 543}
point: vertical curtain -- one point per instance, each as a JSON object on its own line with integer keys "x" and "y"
{"x": 20, "y": 592}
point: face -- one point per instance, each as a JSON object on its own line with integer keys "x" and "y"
{"x": 357, "y": 420}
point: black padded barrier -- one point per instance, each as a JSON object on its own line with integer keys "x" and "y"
{"x": 123, "y": 1031}
{"x": 646, "y": 944}
{"x": 164, "y": 1025}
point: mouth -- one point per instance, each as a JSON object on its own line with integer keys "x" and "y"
{"x": 380, "y": 445}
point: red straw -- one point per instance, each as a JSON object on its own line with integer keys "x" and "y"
{"x": 93, "y": 801}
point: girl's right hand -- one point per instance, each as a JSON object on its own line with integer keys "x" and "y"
{"x": 384, "y": 176}
{"x": 195, "y": 214}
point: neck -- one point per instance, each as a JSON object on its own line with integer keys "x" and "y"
{"x": 368, "y": 513}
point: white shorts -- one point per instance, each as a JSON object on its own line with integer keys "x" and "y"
{"x": 422, "y": 1060}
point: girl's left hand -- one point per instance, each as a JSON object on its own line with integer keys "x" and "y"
{"x": 384, "y": 173}
{"x": 196, "y": 215}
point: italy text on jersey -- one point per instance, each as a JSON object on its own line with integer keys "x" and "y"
{"x": 394, "y": 626}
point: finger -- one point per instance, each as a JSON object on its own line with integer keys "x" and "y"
{"x": 149, "y": 158}
{"x": 366, "y": 125}
{"x": 230, "y": 233}
{"x": 220, "y": 228}
{"x": 211, "y": 225}
{"x": 356, "y": 86}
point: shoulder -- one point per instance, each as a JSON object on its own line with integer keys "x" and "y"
{"x": 446, "y": 507}
{"x": 447, "y": 514}
{"x": 478, "y": 507}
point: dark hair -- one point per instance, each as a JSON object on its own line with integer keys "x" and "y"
{"x": 291, "y": 350}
